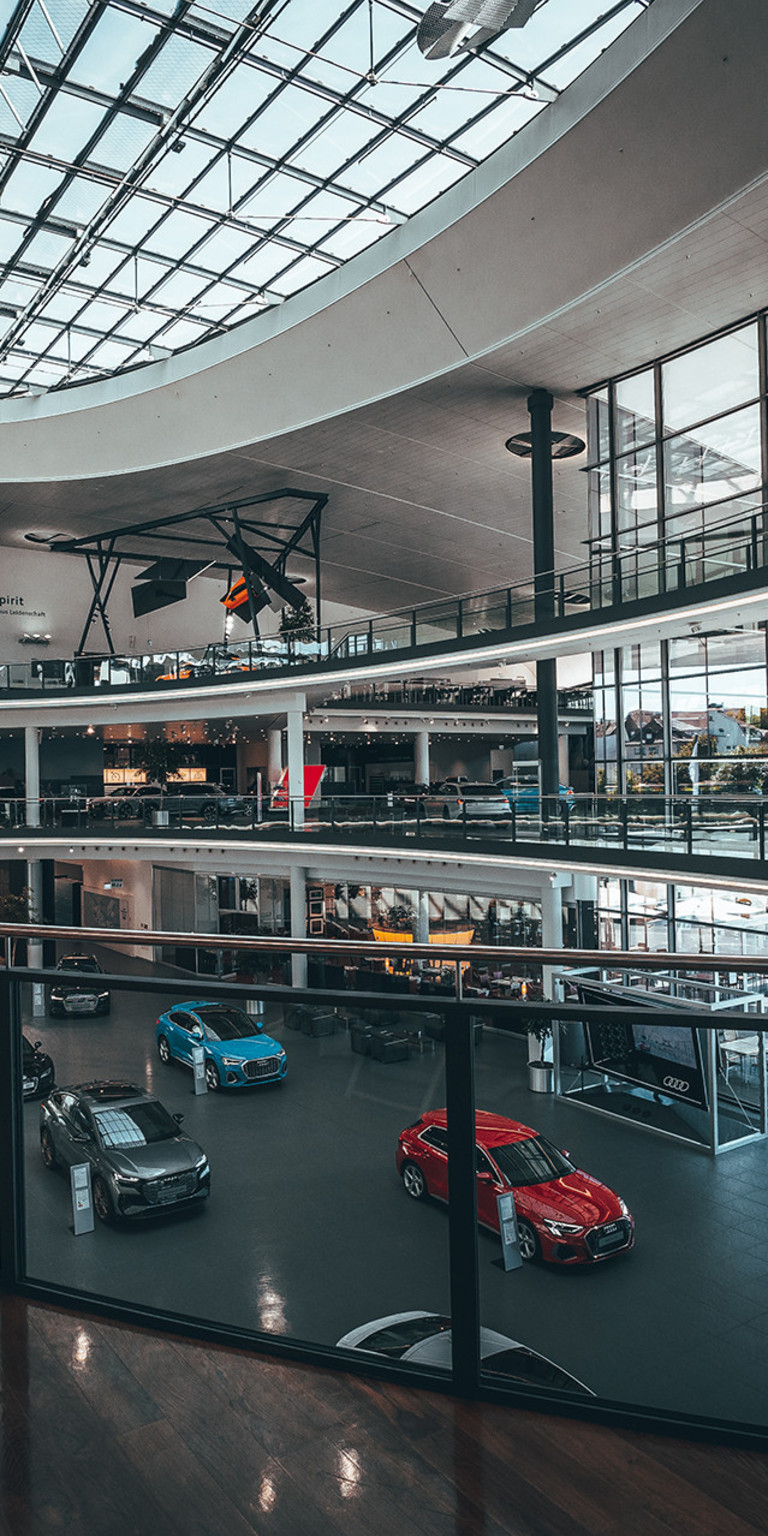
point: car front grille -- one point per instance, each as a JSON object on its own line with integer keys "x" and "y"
{"x": 81, "y": 1002}
{"x": 264, "y": 1066}
{"x": 608, "y": 1238}
{"x": 175, "y": 1186}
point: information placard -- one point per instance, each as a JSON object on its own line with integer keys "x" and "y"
{"x": 510, "y": 1240}
{"x": 198, "y": 1069}
{"x": 82, "y": 1202}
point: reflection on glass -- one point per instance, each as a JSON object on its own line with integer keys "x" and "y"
{"x": 635, "y": 411}
{"x": 710, "y": 379}
{"x": 349, "y": 1472}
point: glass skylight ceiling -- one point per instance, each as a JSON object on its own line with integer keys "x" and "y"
{"x": 170, "y": 169}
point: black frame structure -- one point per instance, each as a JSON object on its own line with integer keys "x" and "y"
{"x": 105, "y": 552}
{"x": 466, "y": 1378}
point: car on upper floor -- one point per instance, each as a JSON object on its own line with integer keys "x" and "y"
{"x": 466, "y": 800}
{"x": 523, "y": 794}
{"x": 141, "y": 1162}
{"x": 564, "y": 1215}
{"x": 237, "y": 1053}
{"x": 426, "y": 1338}
{"x": 38, "y": 1071}
{"x": 82, "y": 992}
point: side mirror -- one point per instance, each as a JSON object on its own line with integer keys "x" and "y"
{"x": 565, "y": 1153}
{"x": 486, "y": 1177}
{"x": 38, "y": 1045}
{"x": 178, "y": 1119}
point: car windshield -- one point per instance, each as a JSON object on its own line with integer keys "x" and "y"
{"x": 533, "y": 1161}
{"x": 478, "y": 791}
{"x": 525, "y": 1365}
{"x": 398, "y": 1337}
{"x": 79, "y": 963}
{"x": 227, "y": 1023}
{"x": 134, "y": 1125}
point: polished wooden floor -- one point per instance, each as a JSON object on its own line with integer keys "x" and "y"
{"x": 108, "y": 1431}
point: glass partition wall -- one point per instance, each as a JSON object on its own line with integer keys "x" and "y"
{"x": 289, "y": 1188}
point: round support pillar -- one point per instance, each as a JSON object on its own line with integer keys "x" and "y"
{"x": 421, "y": 758}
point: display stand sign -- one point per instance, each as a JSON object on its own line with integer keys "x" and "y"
{"x": 198, "y": 1069}
{"x": 82, "y": 1202}
{"x": 510, "y": 1240}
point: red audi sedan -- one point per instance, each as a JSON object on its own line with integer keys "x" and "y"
{"x": 564, "y": 1216}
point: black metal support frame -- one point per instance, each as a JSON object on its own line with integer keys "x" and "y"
{"x": 540, "y": 404}
{"x": 264, "y": 568}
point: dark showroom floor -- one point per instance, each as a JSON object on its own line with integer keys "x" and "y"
{"x": 308, "y": 1231}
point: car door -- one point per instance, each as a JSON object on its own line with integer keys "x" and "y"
{"x": 186, "y": 1032}
{"x": 72, "y": 1133}
{"x": 433, "y": 1159}
{"x": 489, "y": 1185}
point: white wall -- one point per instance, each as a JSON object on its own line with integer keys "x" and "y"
{"x": 135, "y": 897}
{"x": 46, "y": 593}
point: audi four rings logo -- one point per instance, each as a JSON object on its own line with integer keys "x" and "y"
{"x": 676, "y": 1084}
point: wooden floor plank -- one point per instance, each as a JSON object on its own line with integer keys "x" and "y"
{"x": 114, "y": 1431}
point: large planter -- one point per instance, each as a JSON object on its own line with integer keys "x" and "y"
{"x": 541, "y": 1076}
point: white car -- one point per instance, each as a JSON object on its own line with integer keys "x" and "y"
{"x": 460, "y": 800}
{"x": 425, "y": 1338}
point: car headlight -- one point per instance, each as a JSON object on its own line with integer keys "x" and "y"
{"x": 103, "y": 997}
{"x": 29, "y": 1084}
{"x": 230, "y": 1061}
{"x": 625, "y": 1211}
{"x": 202, "y": 1168}
{"x": 127, "y": 1178}
{"x": 562, "y": 1228}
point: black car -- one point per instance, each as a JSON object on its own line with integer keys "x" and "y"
{"x": 142, "y": 1163}
{"x": 38, "y": 1071}
{"x": 82, "y": 992}
{"x": 210, "y": 803}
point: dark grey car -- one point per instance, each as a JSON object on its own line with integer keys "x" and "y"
{"x": 141, "y": 1161}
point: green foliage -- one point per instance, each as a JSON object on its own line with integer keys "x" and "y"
{"x": 17, "y": 908}
{"x": 160, "y": 758}
{"x": 401, "y": 916}
{"x": 747, "y": 769}
{"x": 298, "y": 623}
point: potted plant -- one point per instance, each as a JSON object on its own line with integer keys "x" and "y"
{"x": 298, "y": 623}
{"x": 540, "y": 1072}
{"x": 160, "y": 757}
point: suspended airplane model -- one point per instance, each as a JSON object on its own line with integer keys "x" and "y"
{"x": 453, "y": 26}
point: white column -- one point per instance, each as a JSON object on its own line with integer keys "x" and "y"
{"x": 562, "y": 758}
{"x": 274, "y": 756}
{"x": 35, "y": 947}
{"x": 421, "y": 758}
{"x": 421, "y": 925}
{"x": 298, "y": 922}
{"x": 295, "y": 735}
{"x": 32, "y": 774}
{"x": 551, "y": 929}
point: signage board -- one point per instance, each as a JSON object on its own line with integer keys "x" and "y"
{"x": 510, "y": 1240}
{"x": 82, "y": 1200}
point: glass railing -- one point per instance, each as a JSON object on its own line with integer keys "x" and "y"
{"x": 267, "y": 1165}
{"x": 685, "y": 562}
{"x": 704, "y": 825}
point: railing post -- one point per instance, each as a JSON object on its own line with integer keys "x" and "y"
{"x": 509, "y": 608}
{"x": 624, "y": 822}
{"x": 689, "y": 826}
{"x": 370, "y": 637}
{"x": 11, "y": 1184}
{"x": 460, "y": 620}
{"x": 462, "y": 1205}
{"x": 761, "y": 828}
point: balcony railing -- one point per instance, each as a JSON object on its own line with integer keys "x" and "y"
{"x": 705, "y": 825}
{"x": 618, "y": 576}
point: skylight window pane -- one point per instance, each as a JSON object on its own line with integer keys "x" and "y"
{"x": 260, "y": 268}
{"x": 425, "y": 183}
{"x": 339, "y": 141}
{"x": 134, "y": 220}
{"x": 37, "y": 39}
{"x": 47, "y": 249}
{"x": 100, "y": 264}
{"x": 81, "y": 200}
{"x": 174, "y": 71}
{"x": 174, "y": 173}
{"x": 29, "y": 186}
{"x": 213, "y": 190}
{"x": 307, "y": 270}
{"x": 218, "y": 301}
{"x": 497, "y": 127}
{"x": 240, "y": 95}
{"x": 10, "y": 235}
{"x": 177, "y": 233}
{"x": 108, "y": 59}
{"x": 181, "y": 333}
{"x": 67, "y": 126}
{"x": 23, "y": 99}
{"x": 15, "y": 293}
{"x": 100, "y": 316}
{"x": 348, "y": 48}
{"x": 393, "y": 158}
{"x": 548, "y": 29}
{"x": 222, "y": 249}
{"x": 123, "y": 141}
{"x": 274, "y": 199}
{"x": 178, "y": 290}
{"x": 67, "y": 16}
{"x": 110, "y": 355}
{"x": 354, "y": 237}
{"x": 62, "y": 307}
{"x": 139, "y": 325}
{"x": 289, "y": 117}
{"x": 578, "y": 59}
